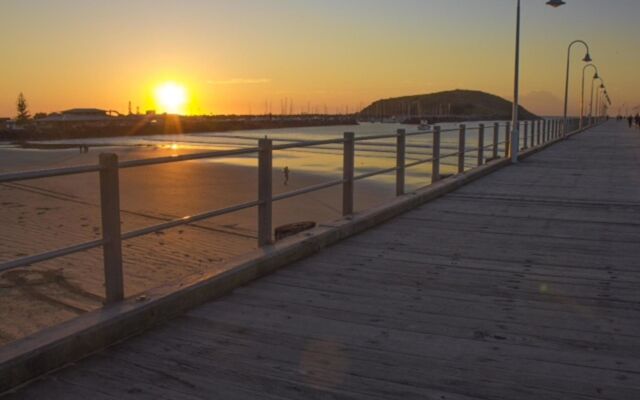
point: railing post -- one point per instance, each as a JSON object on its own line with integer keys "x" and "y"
{"x": 539, "y": 137}
{"x": 401, "y": 142}
{"x": 526, "y": 134}
{"x": 507, "y": 140}
{"x": 461, "y": 148}
{"x": 533, "y": 134}
{"x": 110, "y": 210}
{"x": 544, "y": 131}
{"x": 480, "y": 144}
{"x": 496, "y": 139}
{"x": 435, "y": 155}
{"x": 348, "y": 161}
{"x": 265, "y": 191}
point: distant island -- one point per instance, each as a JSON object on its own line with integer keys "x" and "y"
{"x": 448, "y": 106}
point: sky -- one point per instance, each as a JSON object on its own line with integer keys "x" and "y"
{"x": 241, "y": 56}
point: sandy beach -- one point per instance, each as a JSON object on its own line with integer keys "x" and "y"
{"x": 46, "y": 214}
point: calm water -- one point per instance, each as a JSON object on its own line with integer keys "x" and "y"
{"x": 325, "y": 159}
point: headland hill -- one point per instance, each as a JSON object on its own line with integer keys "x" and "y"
{"x": 448, "y": 106}
{"x": 440, "y": 107}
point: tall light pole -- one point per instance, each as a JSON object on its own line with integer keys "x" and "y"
{"x": 591, "y": 101}
{"x": 605, "y": 103}
{"x": 582, "y": 93}
{"x": 598, "y": 99}
{"x": 515, "y": 128}
{"x": 587, "y": 58}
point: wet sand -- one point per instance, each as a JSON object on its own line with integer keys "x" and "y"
{"x": 41, "y": 215}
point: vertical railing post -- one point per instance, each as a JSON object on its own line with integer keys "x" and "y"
{"x": 539, "y": 133}
{"x": 544, "y": 131}
{"x": 525, "y": 143}
{"x": 265, "y": 191}
{"x": 480, "y": 144}
{"x": 435, "y": 155}
{"x": 507, "y": 140}
{"x": 461, "y": 147}
{"x": 496, "y": 139}
{"x": 348, "y": 162}
{"x": 533, "y": 134}
{"x": 401, "y": 142}
{"x": 110, "y": 210}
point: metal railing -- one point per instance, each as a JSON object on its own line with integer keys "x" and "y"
{"x": 109, "y": 167}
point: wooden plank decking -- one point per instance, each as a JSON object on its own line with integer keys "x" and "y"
{"x": 522, "y": 285}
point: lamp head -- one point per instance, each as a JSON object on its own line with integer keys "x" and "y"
{"x": 602, "y": 86}
{"x": 596, "y": 76}
{"x": 555, "y": 3}
{"x": 587, "y": 58}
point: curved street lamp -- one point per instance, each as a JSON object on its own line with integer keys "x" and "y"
{"x": 582, "y": 92}
{"x": 515, "y": 131}
{"x": 587, "y": 58}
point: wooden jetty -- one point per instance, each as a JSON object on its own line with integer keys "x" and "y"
{"x": 521, "y": 285}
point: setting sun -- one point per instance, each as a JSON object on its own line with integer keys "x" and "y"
{"x": 171, "y": 98}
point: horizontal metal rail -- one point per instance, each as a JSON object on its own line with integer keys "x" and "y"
{"x": 419, "y": 162}
{"x": 375, "y": 173}
{"x": 48, "y": 173}
{"x": 307, "y": 189}
{"x": 186, "y": 157}
{"x": 24, "y": 261}
{"x": 188, "y": 220}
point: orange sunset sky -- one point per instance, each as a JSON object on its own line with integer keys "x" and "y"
{"x": 236, "y": 56}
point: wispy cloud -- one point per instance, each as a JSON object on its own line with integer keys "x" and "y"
{"x": 240, "y": 81}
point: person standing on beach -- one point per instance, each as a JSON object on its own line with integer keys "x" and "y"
{"x": 286, "y": 175}
{"x": 630, "y": 119}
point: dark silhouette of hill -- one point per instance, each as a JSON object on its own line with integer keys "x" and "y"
{"x": 453, "y": 105}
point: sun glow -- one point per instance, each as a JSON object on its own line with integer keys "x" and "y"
{"x": 171, "y": 98}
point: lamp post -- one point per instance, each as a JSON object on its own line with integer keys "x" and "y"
{"x": 515, "y": 131}
{"x": 582, "y": 93}
{"x": 605, "y": 103}
{"x": 598, "y": 99}
{"x": 591, "y": 102}
{"x": 587, "y": 58}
